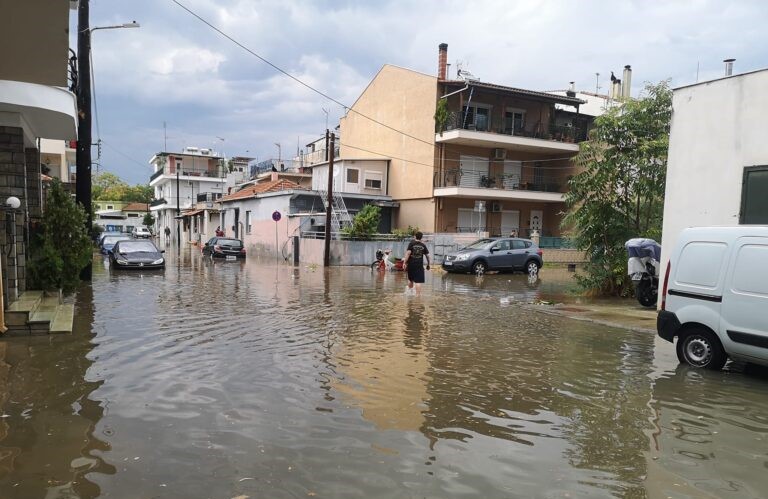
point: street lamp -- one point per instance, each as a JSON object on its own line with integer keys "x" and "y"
{"x": 85, "y": 139}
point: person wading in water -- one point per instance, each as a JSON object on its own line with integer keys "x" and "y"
{"x": 414, "y": 262}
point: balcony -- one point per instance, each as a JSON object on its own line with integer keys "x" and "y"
{"x": 511, "y": 134}
{"x": 190, "y": 173}
{"x": 157, "y": 202}
{"x": 530, "y": 184}
{"x": 208, "y": 197}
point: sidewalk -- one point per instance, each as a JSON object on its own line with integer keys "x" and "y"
{"x": 626, "y": 313}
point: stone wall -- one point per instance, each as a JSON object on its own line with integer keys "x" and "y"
{"x": 563, "y": 256}
{"x": 14, "y": 181}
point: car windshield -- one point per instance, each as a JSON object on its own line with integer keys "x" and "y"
{"x": 114, "y": 239}
{"x": 229, "y": 242}
{"x": 480, "y": 243}
{"x": 137, "y": 247}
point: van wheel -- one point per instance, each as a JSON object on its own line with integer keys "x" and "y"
{"x": 701, "y": 348}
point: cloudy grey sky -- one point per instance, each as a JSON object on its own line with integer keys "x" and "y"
{"x": 174, "y": 69}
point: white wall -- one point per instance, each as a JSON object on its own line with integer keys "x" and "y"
{"x": 718, "y": 128}
{"x": 365, "y": 166}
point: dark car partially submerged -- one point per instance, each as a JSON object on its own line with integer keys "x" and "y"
{"x": 136, "y": 254}
{"x": 224, "y": 247}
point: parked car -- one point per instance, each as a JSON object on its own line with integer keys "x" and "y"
{"x": 135, "y": 254}
{"x": 141, "y": 232}
{"x": 224, "y": 247}
{"x": 496, "y": 253}
{"x": 104, "y": 234}
{"x": 109, "y": 242}
{"x": 715, "y": 295}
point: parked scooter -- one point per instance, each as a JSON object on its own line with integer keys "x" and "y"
{"x": 643, "y": 267}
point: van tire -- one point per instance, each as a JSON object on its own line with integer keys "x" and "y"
{"x": 701, "y": 348}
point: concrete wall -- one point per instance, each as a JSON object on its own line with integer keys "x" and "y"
{"x": 404, "y": 100}
{"x": 717, "y": 130}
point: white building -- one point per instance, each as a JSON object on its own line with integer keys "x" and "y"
{"x": 717, "y": 171}
{"x": 186, "y": 177}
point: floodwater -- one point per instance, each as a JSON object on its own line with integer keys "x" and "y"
{"x": 260, "y": 380}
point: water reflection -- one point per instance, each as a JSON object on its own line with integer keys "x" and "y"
{"x": 219, "y": 379}
{"x": 48, "y": 444}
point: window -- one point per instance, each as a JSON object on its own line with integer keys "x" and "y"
{"x": 353, "y": 175}
{"x": 754, "y": 195}
{"x": 134, "y": 215}
{"x": 514, "y": 121}
{"x": 476, "y": 117}
{"x": 518, "y": 245}
{"x": 110, "y": 207}
{"x": 247, "y": 222}
{"x": 373, "y": 180}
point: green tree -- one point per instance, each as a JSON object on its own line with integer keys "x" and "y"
{"x": 619, "y": 192}
{"x": 109, "y": 187}
{"x": 149, "y": 220}
{"x": 60, "y": 249}
{"x": 365, "y": 223}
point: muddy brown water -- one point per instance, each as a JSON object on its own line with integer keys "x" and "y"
{"x": 263, "y": 380}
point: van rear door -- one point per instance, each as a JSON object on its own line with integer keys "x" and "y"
{"x": 744, "y": 316}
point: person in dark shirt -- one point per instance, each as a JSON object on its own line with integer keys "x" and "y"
{"x": 414, "y": 262}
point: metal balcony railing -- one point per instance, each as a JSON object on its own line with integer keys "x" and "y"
{"x": 189, "y": 172}
{"x": 206, "y": 197}
{"x": 158, "y": 202}
{"x": 508, "y": 126}
{"x": 527, "y": 180}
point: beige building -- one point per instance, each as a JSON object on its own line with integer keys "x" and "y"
{"x": 499, "y": 163}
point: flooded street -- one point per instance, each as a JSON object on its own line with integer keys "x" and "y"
{"x": 261, "y": 380}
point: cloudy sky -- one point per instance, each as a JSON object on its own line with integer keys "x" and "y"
{"x": 175, "y": 69}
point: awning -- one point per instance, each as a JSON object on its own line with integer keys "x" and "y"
{"x": 191, "y": 213}
{"x": 383, "y": 203}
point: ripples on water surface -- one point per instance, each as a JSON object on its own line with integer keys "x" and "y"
{"x": 219, "y": 380}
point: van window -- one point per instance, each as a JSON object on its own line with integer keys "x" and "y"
{"x": 750, "y": 274}
{"x": 700, "y": 264}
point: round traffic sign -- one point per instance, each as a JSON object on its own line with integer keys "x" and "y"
{"x": 276, "y": 216}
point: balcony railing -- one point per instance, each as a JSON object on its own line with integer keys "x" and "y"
{"x": 158, "y": 202}
{"x": 529, "y": 179}
{"x": 479, "y": 123}
{"x": 189, "y": 172}
{"x": 207, "y": 197}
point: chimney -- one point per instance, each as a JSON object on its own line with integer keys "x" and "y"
{"x": 626, "y": 88}
{"x": 274, "y": 177}
{"x": 616, "y": 89}
{"x": 571, "y": 92}
{"x": 729, "y": 67}
{"x": 442, "y": 61}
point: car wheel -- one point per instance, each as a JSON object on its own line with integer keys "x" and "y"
{"x": 479, "y": 267}
{"x": 701, "y": 348}
{"x": 532, "y": 267}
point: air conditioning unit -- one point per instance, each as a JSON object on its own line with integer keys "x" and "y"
{"x": 499, "y": 154}
{"x": 495, "y": 207}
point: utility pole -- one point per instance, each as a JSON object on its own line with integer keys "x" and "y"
{"x": 83, "y": 154}
{"x": 178, "y": 213}
{"x": 329, "y": 208}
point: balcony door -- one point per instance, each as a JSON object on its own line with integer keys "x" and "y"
{"x": 473, "y": 169}
{"x": 513, "y": 170}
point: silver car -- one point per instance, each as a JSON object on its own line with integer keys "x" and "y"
{"x": 496, "y": 253}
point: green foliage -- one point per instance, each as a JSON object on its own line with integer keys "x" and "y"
{"x": 619, "y": 193}
{"x": 441, "y": 115}
{"x": 365, "y": 223}
{"x": 60, "y": 249}
{"x": 109, "y": 187}
{"x": 149, "y": 220}
{"x": 405, "y": 233}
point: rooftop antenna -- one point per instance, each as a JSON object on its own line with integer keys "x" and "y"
{"x": 697, "y": 71}
{"x": 326, "y": 111}
{"x": 597, "y": 83}
{"x": 165, "y": 138}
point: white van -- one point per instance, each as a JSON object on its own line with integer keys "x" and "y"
{"x": 715, "y": 296}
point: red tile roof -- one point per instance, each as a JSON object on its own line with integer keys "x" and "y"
{"x": 136, "y": 207}
{"x": 271, "y": 186}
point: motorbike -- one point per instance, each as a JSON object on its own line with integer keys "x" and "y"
{"x": 643, "y": 268}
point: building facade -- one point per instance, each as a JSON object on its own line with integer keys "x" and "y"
{"x": 496, "y": 162}
{"x": 717, "y": 167}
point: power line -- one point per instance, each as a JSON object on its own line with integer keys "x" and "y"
{"x": 126, "y": 156}
{"x": 289, "y": 75}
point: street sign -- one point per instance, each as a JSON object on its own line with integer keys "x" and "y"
{"x": 276, "y": 216}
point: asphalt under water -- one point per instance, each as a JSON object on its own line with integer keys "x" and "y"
{"x": 263, "y": 380}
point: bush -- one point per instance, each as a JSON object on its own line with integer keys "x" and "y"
{"x": 61, "y": 248}
{"x": 365, "y": 223}
{"x": 405, "y": 233}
